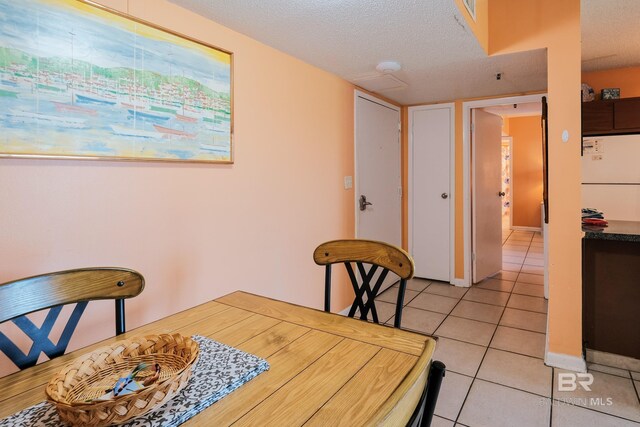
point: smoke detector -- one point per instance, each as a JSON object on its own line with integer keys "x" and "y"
{"x": 387, "y": 67}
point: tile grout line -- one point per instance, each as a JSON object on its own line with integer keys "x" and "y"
{"x": 505, "y": 306}
{"x": 588, "y": 408}
{"x": 513, "y": 388}
{"x": 497, "y": 349}
{"x": 633, "y": 383}
{"x": 450, "y": 311}
{"x": 590, "y": 368}
{"x": 504, "y": 326}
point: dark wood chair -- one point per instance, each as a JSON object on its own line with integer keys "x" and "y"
{"x": 360, "y": 252}
{"x": 53, "y": 291}
{"x": 389, "y": 258}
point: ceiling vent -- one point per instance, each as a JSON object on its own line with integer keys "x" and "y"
{"x": 471, "y": 7}
{"x": 380, "y": 83}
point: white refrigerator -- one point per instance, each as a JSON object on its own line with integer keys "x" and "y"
{"x": 611, "y": 176}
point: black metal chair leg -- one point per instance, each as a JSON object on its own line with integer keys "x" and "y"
{"x": 398, "y": 319}
{"x": 436, "y": 373}
{"x": 327, "y": 289}
{"x": 120, "y": 322}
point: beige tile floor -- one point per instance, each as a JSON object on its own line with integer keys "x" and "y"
{"x": 491, "y": 337}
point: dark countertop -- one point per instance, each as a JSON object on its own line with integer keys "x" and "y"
{"x": 628, "y": 231}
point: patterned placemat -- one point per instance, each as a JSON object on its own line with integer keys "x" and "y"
{"x": 219, "y": 370}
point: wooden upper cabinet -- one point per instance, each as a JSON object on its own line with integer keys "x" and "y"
{"x": 597, "y": 116}
{"x": 611, "y": 117}
{"x": 627, "y": 114}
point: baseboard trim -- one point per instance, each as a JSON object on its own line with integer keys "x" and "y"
{"x": 614, "y": 360}
{"x": 565, "y": 361}
{"x": 522, "y": 228}
{"x": 560, "y": 360}
{"x": 460, "y": 282}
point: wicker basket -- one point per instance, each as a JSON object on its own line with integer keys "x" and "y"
{"x": 88, "y": 377}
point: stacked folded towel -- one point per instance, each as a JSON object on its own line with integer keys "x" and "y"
{"x": 593, "y": 218}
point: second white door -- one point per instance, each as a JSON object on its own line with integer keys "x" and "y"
{"x": 430, "y": 194}
{"x": 486, "y": 138}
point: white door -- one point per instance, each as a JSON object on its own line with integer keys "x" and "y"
{"x": 378, "y": 178}
{"x": 486, "y": 137}
{"x": 430, "y": 195}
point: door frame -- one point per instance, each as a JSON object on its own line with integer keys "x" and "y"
{"x": 466, "y": 166}
{"x": 356, "y": 187}
{"x": 452, "y": 180}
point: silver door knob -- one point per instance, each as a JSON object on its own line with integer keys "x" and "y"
{"x": 363, "y": 202}
{"x": 501, "y": 194}
{"x": 444, "y": 195}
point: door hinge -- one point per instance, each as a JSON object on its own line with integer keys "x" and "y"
{"x": 400, "y": 191}
{"x": 473, "y": 256}
{"x": 473, "y": 127}
{"x": 399, "y": 126}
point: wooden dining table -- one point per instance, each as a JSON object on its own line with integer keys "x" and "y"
{"x": 325, "y": 369}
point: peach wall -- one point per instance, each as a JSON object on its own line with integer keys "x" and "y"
{"x": 198, "y": 231}
{"x": 526, "y": 134}
{"x": 627, "y": 79}
{"x": 505, "y": 126}
{"x": 520, "y": 26}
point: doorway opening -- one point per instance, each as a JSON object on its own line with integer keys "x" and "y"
{"x": 503, "y": 190}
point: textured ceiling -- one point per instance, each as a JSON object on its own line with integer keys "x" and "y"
{"x": 610, "y": 34}
{"x": 441, "y": 59}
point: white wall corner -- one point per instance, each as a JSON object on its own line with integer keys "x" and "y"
{"x": 565, "y": 361}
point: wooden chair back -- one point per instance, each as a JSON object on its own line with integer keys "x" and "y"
{"x": 360, "y": 252}
{"x": 53, "y": 290}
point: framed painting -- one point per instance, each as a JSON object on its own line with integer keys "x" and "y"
{"x": 82, "y": 81}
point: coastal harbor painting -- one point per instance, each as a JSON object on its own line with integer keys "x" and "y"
{"x": 81, "y": 81}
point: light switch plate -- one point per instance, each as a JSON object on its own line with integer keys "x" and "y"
{"x": 348, "y": 182}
